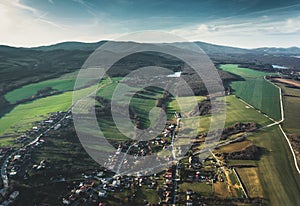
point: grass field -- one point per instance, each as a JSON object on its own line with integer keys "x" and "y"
{"x": 250, "y": 179}
{"x": 186, "y": 104}
{"x": 291, "y": 105}
{"x": 255, "y": 90}
{"x": 24, "y": 115}
{"x": 278, "y": 176}
{"x": 63, "y": 83}
{"x": 141, "y": 105}
{"x": 199, "y": 187}
{"x": 236, "y": 111}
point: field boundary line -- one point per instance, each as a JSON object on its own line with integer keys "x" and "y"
{"x": 291, "y": 148}
{"x": 240, "y": 182}
{"x": 280, "y": 127}
{"x": 257, "y": 110}
{"x": 280, "y": 99}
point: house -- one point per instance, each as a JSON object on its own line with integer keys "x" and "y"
{"x": 102, "y": 193}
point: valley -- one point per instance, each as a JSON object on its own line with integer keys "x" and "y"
{"x": 247, "y": 166}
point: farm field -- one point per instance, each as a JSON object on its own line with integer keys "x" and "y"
{"x": 250, "y": 179}
{"x": 288, "y": 81}
{"x": 61, "y": 84}
{"x": 221, "y": 190}
{"x": 185, "y": 102}
{"x": 141, "y": 105}
{"x": 291, "y": 104}
{"x": 236, "y": 111}
{"x": 244, "y": 163}
{"x": 277, "y": 174}
{"x": 24, "y": 115}
{"x": 234, "y": 147}
{"x": 255, "y": 90}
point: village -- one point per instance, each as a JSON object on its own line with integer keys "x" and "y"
{"x": 188, "y": 181}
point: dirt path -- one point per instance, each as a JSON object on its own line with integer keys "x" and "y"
{"x": 288, "y": 81}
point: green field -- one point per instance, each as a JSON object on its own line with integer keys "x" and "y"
{"x": 291, "y": 105}
{"x": 63, "y": 83}
{"x": 198, "y": 187}
{"x": 276, "y": 170}
{"x": 24, "y": 115}
{"x": 255, "y": 90}
{"x": 183, "y": 104}
{"x": 141, "y": 105}
{"x": 236, "y": 111}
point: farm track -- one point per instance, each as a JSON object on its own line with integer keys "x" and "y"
{"x": 280, "y": 127}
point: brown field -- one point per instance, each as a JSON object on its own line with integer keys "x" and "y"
{"x": 288, "y": 81}
{"x": 251, "y": 181}
{"x": 242, "y": 163}
{"x": 234, "y": 147}
{"x": 221, "y": 190}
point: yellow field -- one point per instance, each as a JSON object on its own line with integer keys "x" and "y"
{"x": 234, "y": 147}
{"x": 251, "y": 181}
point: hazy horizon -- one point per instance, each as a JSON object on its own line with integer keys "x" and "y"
{"x": 92, "y": 42}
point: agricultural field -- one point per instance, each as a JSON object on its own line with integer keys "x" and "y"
{"x": 22, "y": 117}
{"x": 291, "y": 105}
{"x": 185, "y": 103}
{"x": 277, "y": 173}
{"x": 236, "y": 111}
{"x": 234, "y": 147}
{"x": 140, "y": 104}
{"x": 221, "y": 190}
{"x": 64, "y": 83}
{"x": 50, "y": 87}
{"x": 255, "y": 89}
{"x": 242, "y": 163}
{"x": 250, "y": 179}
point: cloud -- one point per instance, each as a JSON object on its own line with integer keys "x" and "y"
{"x": 25, "y": 26}
{"x": 22, "y": 25}
{"x": 255, "y": 32}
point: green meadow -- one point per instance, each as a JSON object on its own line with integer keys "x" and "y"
{"x": 236, "y": 111}
{"x": 276, "y": 170}
{"x": 22, "y": 117}
{"x": 61, "y": 84}
{"x": 255, "y": 90}
{"x": 291, "y": 105}
{"x": 141, "y": 105}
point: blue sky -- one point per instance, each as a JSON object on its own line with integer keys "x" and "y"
{"x": 241, "y": 23}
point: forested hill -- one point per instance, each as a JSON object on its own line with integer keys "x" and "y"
{"x": 20, "y": 66}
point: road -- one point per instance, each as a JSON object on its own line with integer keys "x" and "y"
{"x": 278, "y": 122}
{"x": 280, "y": 127}
{"x": 175, "y": 184}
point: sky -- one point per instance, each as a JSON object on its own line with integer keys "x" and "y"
{"x": 239, "y": 23}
